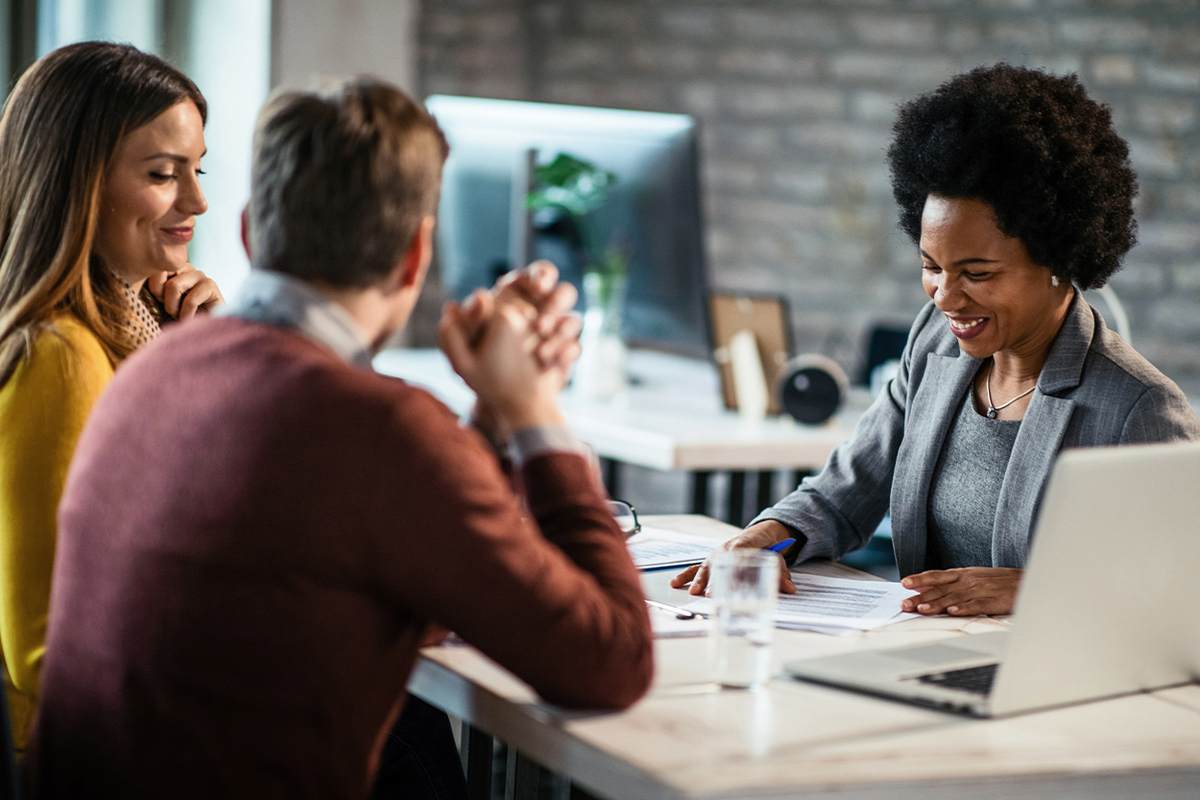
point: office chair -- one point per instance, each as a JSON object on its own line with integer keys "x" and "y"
{"x": 884, "y": 343}
{"x": 10, "y": 778}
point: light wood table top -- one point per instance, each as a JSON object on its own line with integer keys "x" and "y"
{"x": 687, "y": 739}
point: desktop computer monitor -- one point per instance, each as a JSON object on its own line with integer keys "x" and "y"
{"x": 652, "y": 211}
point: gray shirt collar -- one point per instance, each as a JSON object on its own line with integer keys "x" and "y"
{"x": 273, "y": 298}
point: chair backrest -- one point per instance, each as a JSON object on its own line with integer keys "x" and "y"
{"x": 883, "y": 344}
{"x": 10, "y": 777}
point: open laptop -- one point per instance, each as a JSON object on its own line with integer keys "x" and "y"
{"x": 1109, "y": 603}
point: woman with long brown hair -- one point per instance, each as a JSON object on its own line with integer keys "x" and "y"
{"x": 100, "y": 148}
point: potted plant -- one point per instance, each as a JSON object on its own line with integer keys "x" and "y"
{"x": 567, "y": 192}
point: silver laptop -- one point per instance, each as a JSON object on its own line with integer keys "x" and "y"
{"x": 1109, "y": 603}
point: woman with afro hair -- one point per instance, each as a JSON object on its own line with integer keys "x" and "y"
{"x": 1018, "y": 194}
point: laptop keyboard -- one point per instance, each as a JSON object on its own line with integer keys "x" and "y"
{"x": 977, "y": 680}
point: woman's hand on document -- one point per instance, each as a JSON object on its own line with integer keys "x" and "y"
{"x": 963, "y": 592}
{"x": 757, "y": 537}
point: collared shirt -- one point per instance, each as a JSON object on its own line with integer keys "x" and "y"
{"x": 273, "y": 298}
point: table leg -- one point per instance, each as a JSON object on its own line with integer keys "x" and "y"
{"x": 737, "y": 497}
{"x": 523, "y": 778}
{"x": 763, "y": 497}
{"x": 579, "y": 793}
{"x": 555, "y": 786}
{"x": 700, "y": 491}
{"x": 612, "y": 476}
{"x": 799, "y": 475}
{"x": 477, "y": 762}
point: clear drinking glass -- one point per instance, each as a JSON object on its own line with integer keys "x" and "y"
{"x": 745, "y": 585}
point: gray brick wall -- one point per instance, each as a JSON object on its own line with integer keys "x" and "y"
{"x": 796, "y": 100}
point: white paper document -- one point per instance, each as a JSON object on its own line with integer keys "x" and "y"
{"x": 841, "y": 602}
{"x": 833, "y": 605}
{"x": 656, "y": 548}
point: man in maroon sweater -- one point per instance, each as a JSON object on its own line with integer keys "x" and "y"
{"x": 258, "y": 530}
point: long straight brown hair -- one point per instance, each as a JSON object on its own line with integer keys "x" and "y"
{"x": 58, "y": 134}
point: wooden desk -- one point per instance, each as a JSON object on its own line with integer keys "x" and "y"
{"x": 670, "y": 418}
{"x": 687, "y": 740}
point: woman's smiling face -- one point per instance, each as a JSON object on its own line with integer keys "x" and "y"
{"x": 993, "y": 296}
{"x": 152, "y": 195}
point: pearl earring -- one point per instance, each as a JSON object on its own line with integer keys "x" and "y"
{"x": 1054, "y": 280}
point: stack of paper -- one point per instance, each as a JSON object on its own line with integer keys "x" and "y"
{"x": 656, "y": 548}
{"x": 832, "y": 605}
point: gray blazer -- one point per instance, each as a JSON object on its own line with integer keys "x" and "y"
{"x": 1095, "y": 390}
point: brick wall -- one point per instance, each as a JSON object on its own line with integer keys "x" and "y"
{"x": 796, "y": 100}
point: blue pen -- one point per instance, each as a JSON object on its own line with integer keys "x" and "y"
{"x": 784, "y": 545}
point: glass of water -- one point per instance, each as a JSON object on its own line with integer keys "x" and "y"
{"x": 745, "y": 585}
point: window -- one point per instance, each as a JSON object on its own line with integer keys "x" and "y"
{"x": 222, "y": 45}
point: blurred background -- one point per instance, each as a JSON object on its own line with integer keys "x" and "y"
{"x": 235, "y": 51}
{"x": 794, "y": 100}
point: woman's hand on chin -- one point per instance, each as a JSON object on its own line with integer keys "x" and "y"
{"x": 963, "y": 592}
{"x": 185, "y": 292}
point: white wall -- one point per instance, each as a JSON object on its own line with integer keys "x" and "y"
{"x": 317, "y": 38}
{"x": 229, "y": 59}
{"x": 308, "y": 38}
{"x": 136, "y": 22}
{"x": 227, "y": 53}
{"x": 235, "y": 51}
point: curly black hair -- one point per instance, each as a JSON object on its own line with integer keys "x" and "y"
{"x": 1036, "y": 149}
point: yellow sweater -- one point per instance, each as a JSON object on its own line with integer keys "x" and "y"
{"x": 42, "y": 410}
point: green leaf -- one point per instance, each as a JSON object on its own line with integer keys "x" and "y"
{"x": 572, "y": 184}
{"x": 577, "y": 188}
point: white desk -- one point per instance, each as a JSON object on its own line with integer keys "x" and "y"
{"x": 671, "y": 417}
{"x": 685, "y": 740}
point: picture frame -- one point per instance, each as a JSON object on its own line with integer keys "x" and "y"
{"x": 766, "y": 316}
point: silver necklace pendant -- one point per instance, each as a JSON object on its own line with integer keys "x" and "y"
{"x": 992, "y": 409}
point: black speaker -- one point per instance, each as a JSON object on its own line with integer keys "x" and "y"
{"x": 811, "y": 388}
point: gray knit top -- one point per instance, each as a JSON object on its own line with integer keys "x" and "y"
{"x": 966, "y": 488}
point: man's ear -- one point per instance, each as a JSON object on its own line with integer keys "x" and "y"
{"x": 246, "y": 231}
{"x": 420, "y": 253}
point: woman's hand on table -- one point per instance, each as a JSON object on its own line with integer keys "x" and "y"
{"x": 757, "y": 537}
{"x": 964, "y": 592}
{"x": 185, "y": 292}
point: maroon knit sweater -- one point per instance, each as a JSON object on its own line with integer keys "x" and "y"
{"x": 252, "y": 541}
